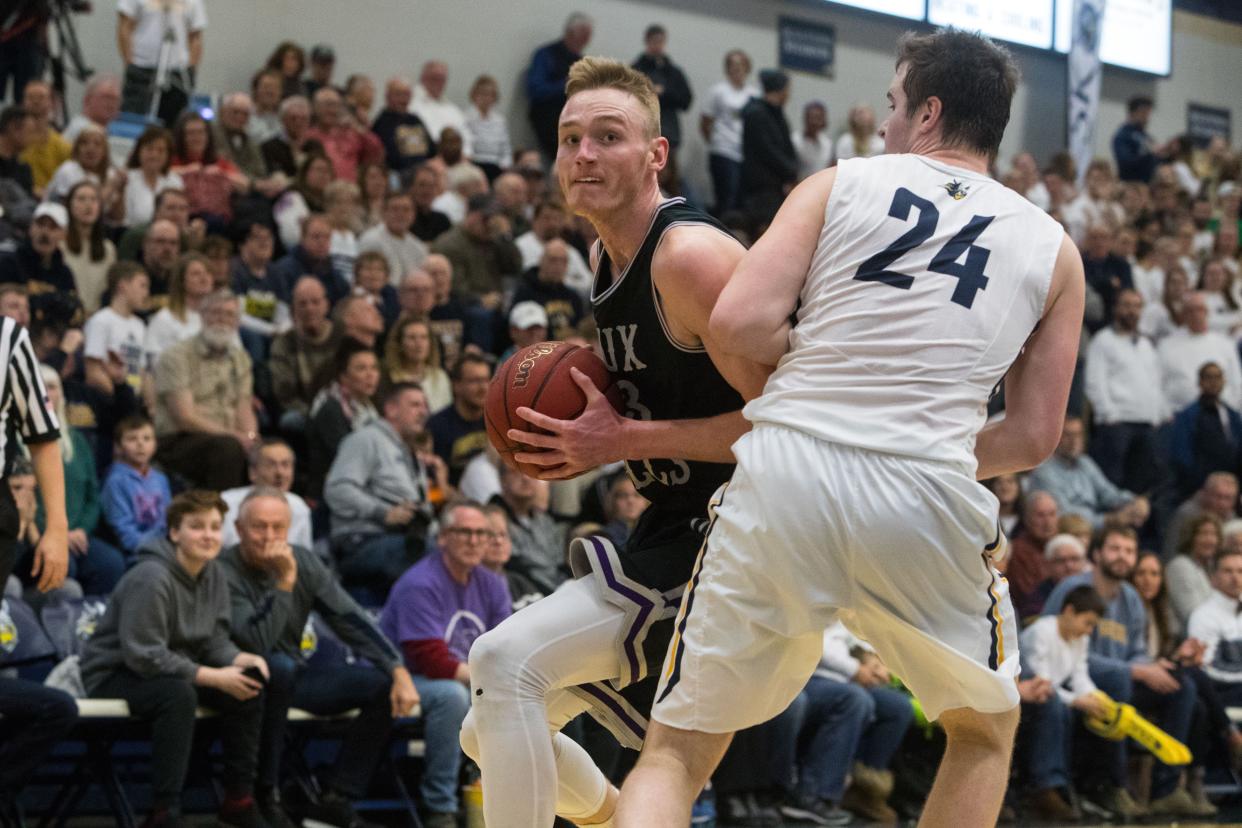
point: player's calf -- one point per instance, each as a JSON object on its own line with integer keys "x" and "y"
{"x": 674, "y": 767}
{"x": 970, "y": 785}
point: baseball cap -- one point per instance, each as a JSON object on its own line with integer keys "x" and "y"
{"x": 1226, "y": 188}
{"x": 56, "y": 212}
{"x": 322, "y": 53}
{"x": 528, "y": 315}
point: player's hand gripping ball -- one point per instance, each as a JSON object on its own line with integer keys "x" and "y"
{"x": 538, "y": 378}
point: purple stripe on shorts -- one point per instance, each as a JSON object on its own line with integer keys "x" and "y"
{"x": 645, "y": 606}
{"x": 608, "y": 701}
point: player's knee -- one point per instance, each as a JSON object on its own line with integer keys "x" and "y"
{"x": 469, "y": 737}
{"x": 500, "y": 666}
{"x": 987, "y": 731}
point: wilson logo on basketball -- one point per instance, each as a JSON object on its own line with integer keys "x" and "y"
{"x": 522, "y": 375}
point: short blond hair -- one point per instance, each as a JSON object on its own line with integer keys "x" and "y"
{"x": 603, "y": 73}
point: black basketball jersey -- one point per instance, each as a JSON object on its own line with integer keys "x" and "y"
{"x": 660, "y": 379}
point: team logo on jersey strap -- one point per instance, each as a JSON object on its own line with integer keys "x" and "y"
{"x": 955, "y": 189}
{"x": 8, "y": 630}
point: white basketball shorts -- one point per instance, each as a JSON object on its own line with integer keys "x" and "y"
{"x": 898, "y": 548}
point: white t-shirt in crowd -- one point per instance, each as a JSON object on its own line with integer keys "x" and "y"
{"x": 166, "y": 330}
{"x": 578, "y": 277}
{"x": 724, "y": 107}
{"x": 152, "y": 18}
{"x": 846, "y": 148}
{"x": 107, "y": 332}
{"x": 140, "y": 199}
{"x": 814, "y": 154}
{"x": 438, "y": 114}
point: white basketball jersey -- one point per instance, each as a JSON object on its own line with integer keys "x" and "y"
{"x": 926, "y": 282}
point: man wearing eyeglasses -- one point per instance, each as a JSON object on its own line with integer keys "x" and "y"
{"x": 434, "y": 613}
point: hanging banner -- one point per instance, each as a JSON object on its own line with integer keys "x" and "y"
{"x": 1084, "y": 82}
{"x": 806, "y": 46}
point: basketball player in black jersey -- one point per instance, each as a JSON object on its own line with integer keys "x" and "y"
{"x": 597, "y": 644}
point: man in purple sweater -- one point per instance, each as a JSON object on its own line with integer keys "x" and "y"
{"x": 434, "y": 613}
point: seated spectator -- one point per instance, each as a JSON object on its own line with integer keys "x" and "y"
{"x": 538, "y": 539}
{"x": 288, "y": 151}
{"x": 359, "y": 98}
{"x": 372, "y": 188}
{"x": 1166, "y": 317}
{"x": 210, "y": 179}
{"x": 1120, "y": 666}
{"x": 342, "y": 204}
{"x": 416, "y": 294}
{"x": 1126, "y": 407}
{"x": 89, "y": 161}
{"x": 512, "y": 195}
{"x": 1215, "y": 622}
{"x": 307, "y": 195}
{"x": 289, "y": 60}
{"x": 434, "y": 614}
{"x": 481, "y": 251}
{"x": 813, "y": 143}
{"x": 429, "y": 223}
{"x": 522, "y": 590}
{"x": 275, "y": 583}
{"x": 1008, "y": 491}
{"x": 480, "y": 480}
{"x": 180, "y": 318}
{"x": 411, "y": 354}
{"x": 38, "y": 262}
{"x": 232, "y": 140}
{"x": 852, "y": 727}
{"x": 101, "y": 103}
{"x": 46, "y": 149}
{"x": 163, "y": 647}
{"x": 340, "y": 408}
{"x": 1188, "y": 575}
{"x": 528, "y": 325}
{"x": 406, "y": 139}
{"x": 114, "y": 337}
{"x": 452, "y": 321}
{"x": 1216, "y": 285}
{"x": 300, "y": 355}
{"x": 322, "y": 61}
{"x": 357, "y": 318}
{"x": 312, "y": 257}
{"x": 623, "y": 506}
{"x": 134, "y": 495}
{"x": 271, "y": 467}
{"x": 1054, "y": 649}
{"x": 549, "y": 223}
{"x": 1026, "y": 566}
{"x": 16, "y": 128}
{"x": 159, "y": 260}
{"x": 95, "y": 564}
{"x": 376, "y": 490}
{"x": 263, "y": 293}
{"x": 1183, "y": 354}
{"x": 204, "y": 400}
{"x": 1107, "y": 274}
{"x": 458, "y": 430}
{"x": 171, "y": 204}
{"x": 393, "y": 238}
{"x": 348, "y": 144}
{"x": 860, "y": 139}
{"x": 487, "y": 128}
{"x": 545, "y": 285}
{"x": 1218, "y": 496}
{"x": 1206, "y": 436}
{"x": 87, "y": 250}
{"x": 371, "y": 282}
{"x": 264, "y": 123}
{"x": 1078, "y": 486}
{"x": 148, "y": 172}
{"x": 1095, "y": 206}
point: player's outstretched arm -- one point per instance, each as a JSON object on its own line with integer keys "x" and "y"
{"x": 1037, "y": 387}
{"x": 752, "y": 316}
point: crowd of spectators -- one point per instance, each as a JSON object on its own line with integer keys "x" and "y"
{"x": 269, "y": 337}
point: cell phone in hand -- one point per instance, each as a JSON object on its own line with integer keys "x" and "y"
{"x": 253, "y": 672}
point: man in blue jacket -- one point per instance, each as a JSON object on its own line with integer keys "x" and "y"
{"x": 1121, "y": 667}
{"x": 546, "y": 76}
{"x": 1205, "y": 435}
{"x": 1133, "y": 149}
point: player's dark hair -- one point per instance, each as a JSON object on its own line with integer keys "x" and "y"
{"x": 973, "y": 78}
{"x": 1084, "y": 599}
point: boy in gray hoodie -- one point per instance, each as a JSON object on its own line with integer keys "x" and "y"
{"x": 163, "y": 646}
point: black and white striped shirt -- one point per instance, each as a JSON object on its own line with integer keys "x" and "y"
{"x": 23, "y": 399}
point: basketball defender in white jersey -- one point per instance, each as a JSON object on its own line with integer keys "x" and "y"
{"x": 916, "y": 282}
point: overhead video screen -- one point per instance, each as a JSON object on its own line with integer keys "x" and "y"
{"x": 909, "y": 9}
{"x": 1028, "y": 22}
{"x": 1137, "y": 34}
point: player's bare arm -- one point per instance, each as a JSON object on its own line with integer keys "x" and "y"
{"x": 1037, "y": 386}
{"x": 752, "y": 316}
{"x": 691, "y": 269}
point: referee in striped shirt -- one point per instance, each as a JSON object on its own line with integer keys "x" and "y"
{"x": 23, "y": 401}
